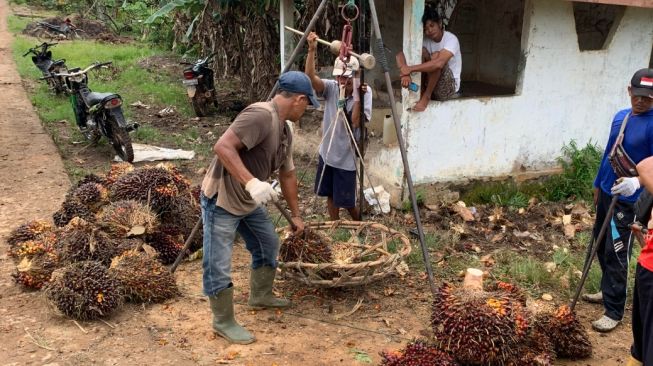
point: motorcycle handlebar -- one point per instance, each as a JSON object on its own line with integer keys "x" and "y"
{"x": 80, "y": 72}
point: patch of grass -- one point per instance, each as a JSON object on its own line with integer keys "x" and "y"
{"x": 341, "y": 235}
{"x": 579, "y": 169}
{"x": 407, "y": 205}
{"x": 435, "y": 243}
{"x": 17, "y": 24}
{"x": 124, "y": 77}
{"x": 576, "y": 182}
{"x": 527, "y": 272}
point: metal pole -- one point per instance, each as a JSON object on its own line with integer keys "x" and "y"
{"x": 189, "y": 240}
{"x": 594, "y": 248}
{"x": 362, "y": 45}
{"x": 300, "y": 44}
{"x": 384, "y": 63}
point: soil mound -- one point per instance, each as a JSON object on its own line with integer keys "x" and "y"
{"x": 74, "y": 27}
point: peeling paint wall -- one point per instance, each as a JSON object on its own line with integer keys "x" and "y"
{"x": 562, "y": 94}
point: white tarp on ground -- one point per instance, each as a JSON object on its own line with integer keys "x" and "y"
{"x": 154, "y": 153}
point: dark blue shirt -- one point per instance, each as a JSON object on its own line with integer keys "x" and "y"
{"x": 638, "y": 143}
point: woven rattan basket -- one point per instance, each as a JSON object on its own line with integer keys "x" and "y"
{"x": 381, "y": 254}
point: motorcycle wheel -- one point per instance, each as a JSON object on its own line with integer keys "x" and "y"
{"x": 199, "y": 106}
{"x": 121, "y": 141}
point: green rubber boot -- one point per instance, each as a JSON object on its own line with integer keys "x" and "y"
{"x": 224, "y": 324}
{"x": 260, "y": 287}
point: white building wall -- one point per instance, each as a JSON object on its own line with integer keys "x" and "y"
{"x": 563, "y": 94}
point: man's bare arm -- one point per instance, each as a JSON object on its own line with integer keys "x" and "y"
{"x": 288, "y": 182}
{"x": 309, "y": 67}
{"x": 438, "y": 61}
{"x": 227, "y": 149}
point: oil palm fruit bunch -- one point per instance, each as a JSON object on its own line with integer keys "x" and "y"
{"x": 180, "y": 180}
{"x": 35, "y": 270}
{"x": 166, "y": 245}
{"x": 476, "y": 326}
{"x": 143, "y": 278}
{"x": 92, "y": 195}
{"x": 71, "y": 208}
{"x": 153, "y": 186}
{"x": 569, "y": 337}
{"x": 44, "y": 243}
{"x": 81, "y": 241}
{"x": 417, "y": 353}
{"x": 181, "y": 217}
{"x": 308, "y": 247}
{"x": 116, "y": 171}
{"x": 121, "y": 218}
{"x": 28, "y": 231}
{"x": 84, "y": 290}
{"x": 536, "y": 350}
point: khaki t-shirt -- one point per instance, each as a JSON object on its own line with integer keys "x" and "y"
{"x": 268, "y": 148}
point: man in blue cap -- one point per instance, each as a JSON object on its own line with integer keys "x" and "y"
{"x": 234, "y": 192}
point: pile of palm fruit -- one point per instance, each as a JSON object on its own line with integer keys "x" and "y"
{"x": 109, "y": 241}
{"x": 473, "y": 325}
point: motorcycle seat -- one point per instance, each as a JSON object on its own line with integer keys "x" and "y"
{"x": 94, "y": 98}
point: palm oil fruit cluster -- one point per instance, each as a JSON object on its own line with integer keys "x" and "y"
{"x": 567, "y": 334}
{"x": 308, "y": 247}
{"x": 417, "y": 353}
{"x": 477, "y": 325}
{"x": 108, "y": 241}
{"x": 84, "y": 290}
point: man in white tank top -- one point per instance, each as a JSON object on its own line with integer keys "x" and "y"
{"x": 441, "y": 62}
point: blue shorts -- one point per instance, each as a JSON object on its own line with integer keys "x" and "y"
{"x": 337, "y": 183}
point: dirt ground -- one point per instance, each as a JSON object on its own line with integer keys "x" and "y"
{"x": 33, "y": 183}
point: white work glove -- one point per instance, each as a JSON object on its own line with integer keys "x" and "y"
{"x": 625, "y": 186}
{"x": 261, "y": 192}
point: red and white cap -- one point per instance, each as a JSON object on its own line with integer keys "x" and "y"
{"x": 641, "y": 85}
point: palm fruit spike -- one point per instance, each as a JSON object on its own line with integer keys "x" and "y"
{"x": 82, "y": 241}
{"x": 309, "y": 248}
{"x": 153, "y": 186}
{"x": 475, "y": 326}
{"x": 119, "y": 218}
{"x": 34, "y": 271}
{"x": 143, "y": 278}
{"x": 167, "y": 246}
{"x": 84, "y": 290}
{"x": 69, "y": 209}
{"x": 417, "y": 353}
{"x": 28, "y": 231}
{"x": 28, "y": 249}
{"x": 569, "y": 337}
{"x": 118, "y": 170}
{"x": 91, "y": 195}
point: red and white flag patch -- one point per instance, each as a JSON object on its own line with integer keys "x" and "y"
{"x": 646, "y": 81}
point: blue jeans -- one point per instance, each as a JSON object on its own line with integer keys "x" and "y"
{"x": 220, "y": 228}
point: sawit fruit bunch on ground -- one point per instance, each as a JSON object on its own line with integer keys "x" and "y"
{"x": 493, "y": 326}
{"x": 109, "y": 241}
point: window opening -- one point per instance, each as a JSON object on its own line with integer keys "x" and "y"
{"x": 595, "y": 24}
{"x": 489, "y": 33}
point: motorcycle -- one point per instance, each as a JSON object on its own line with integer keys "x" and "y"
{"x": 65, "y": 30}
{"x": 42, "y": 58}
{"x": 198, "y": 80}
{"x": 99, "y": 114}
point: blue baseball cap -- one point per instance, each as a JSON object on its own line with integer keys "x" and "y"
{"x": 298, "y": 82}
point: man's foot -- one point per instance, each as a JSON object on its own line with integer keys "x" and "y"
{"x": 596, "y": 298}
{"x": 420, "y": 106}
{"x": 605, "y": 324}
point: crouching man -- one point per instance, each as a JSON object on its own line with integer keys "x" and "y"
{"x": 257, "y": 144}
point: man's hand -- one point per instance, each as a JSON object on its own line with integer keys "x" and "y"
{"x": 625, "y": 186}
{"x": 405, "y": 81}
{"x": 404, "y": 70}
{"x": 261, "y": 192}
{"x": 311, "y": 40}
{"x": 299, "y": 224}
